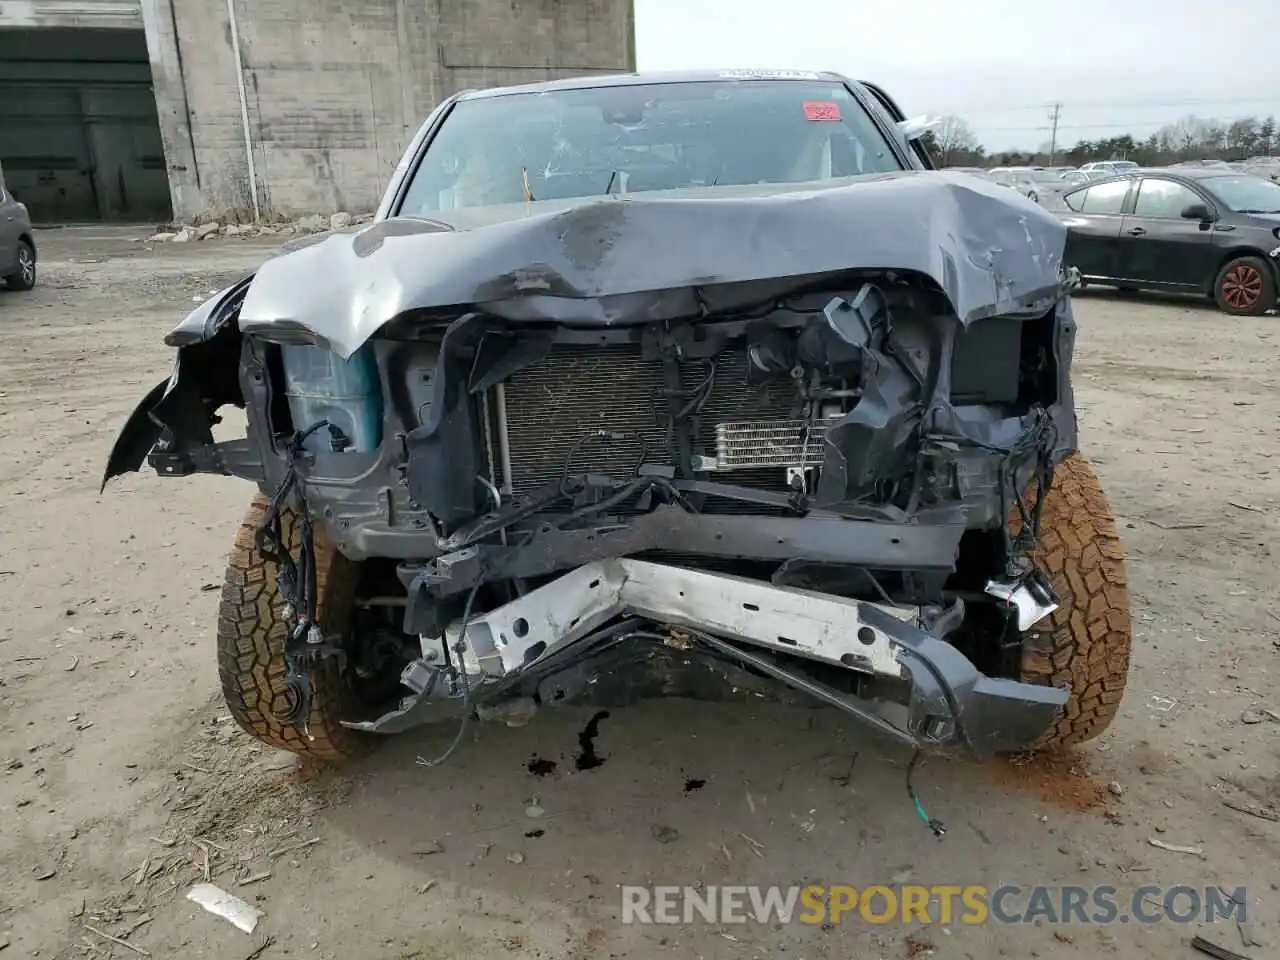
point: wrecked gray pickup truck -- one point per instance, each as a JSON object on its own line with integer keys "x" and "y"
{"x": 697, "y": 385}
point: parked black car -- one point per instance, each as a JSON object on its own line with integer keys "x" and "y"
{"x": 1204, "y": 230}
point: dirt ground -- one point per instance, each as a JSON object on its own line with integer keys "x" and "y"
{"x": 122, "y": 780}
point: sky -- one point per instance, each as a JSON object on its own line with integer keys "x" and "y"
{"x": 1115, "y": 66}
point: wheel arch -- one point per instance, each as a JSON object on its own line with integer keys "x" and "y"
{"x": 1237, "y": 251}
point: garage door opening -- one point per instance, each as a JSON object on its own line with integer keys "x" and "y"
{"x": 79, "y": 137}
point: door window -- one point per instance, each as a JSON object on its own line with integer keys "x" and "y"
{"x": 1105, "y": 198}
{"x": 1163, "y": 199}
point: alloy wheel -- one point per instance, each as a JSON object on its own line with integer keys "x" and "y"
{"x": 1242, "y": 286}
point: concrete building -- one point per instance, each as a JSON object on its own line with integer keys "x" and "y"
{"x": 135, "y": 109}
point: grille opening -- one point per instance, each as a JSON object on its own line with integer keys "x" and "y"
{"x": 554, "y": 404}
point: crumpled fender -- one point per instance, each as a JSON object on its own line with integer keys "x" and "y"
{"x": 180, "y": 403}
{"x": 204, "y": 322}
{"x": 137, "y": 437}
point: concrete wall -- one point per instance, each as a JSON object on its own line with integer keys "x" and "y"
{"x": 334, "y": 89}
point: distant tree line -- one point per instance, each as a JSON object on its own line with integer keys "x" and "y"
{"x": 952, "y": 143}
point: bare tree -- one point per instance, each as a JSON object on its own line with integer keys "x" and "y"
{"x": 955, "y": 142}
{"x": 952, "y": 143}
{"x": 955, "y": 139}
{"x": 1242, "y": 136}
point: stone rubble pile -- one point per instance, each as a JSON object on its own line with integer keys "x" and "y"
{"x": 314, "y": 223}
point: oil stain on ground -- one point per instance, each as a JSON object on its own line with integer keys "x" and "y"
{"x": 587, "y": 759}
{"x": 540, "y": 767}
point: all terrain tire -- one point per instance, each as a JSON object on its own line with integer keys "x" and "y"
{"x": 251, "y": 642}
{"x": 1085, "y": 642}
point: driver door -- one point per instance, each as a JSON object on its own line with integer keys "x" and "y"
{"x": 1157, "y": 245}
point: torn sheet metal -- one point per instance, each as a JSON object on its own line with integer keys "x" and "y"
{"x": 1032, "y": 597}
{"x": 612, "y": 262}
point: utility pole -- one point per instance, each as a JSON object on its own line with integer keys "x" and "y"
{"x": 1053, "y": 137}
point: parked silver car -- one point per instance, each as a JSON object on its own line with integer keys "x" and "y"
{"x": 1108, "y": 168}
{"x": 1035, "y": 183}
{"x": 1266, "y": 167}
{"x": 17, "y": 243}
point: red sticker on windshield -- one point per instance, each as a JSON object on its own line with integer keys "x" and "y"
{"x": 821, "y": 110}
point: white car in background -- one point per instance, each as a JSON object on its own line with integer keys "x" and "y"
{"x": 1266, "y": 167}
{"x": 1108, "y": 168}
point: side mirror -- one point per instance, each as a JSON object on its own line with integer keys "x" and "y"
{"x": 916, "y": 127}
{"x": 1196, "y": 211}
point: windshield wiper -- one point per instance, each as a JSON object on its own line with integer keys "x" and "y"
{"x": 608, "y": 187}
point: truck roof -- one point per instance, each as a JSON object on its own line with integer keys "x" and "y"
{"x": 649, "y": 78}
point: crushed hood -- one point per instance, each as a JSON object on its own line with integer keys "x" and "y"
{"x": 617, "y": 261}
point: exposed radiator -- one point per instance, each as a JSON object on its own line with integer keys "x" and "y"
{"x": 555, "y": 403}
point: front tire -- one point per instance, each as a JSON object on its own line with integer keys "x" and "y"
{"x": 1245, "y": 287}
{"x": 24, "y": 278}
{"x": 1085, "y": 643}
{"x": 251, "y": 643}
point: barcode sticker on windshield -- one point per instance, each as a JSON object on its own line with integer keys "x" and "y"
{"x": 821, "y": 110}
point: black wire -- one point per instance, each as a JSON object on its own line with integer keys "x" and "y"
{"x": 948, "y": 694}
{"x": 701, "y": 393}
{"x": 294, "y": 576}
{"x": 625, "y": 493}
{"x": 606, "y": 436}
{"x": 307, "y": 554}
{"x": 697, "y": 397}
{"x": 876, "y": 584}
{"x": 933, "y": 823}
{"x": 458, "y": 648}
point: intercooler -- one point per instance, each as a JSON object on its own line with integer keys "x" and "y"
{"x": 751, "y": 432}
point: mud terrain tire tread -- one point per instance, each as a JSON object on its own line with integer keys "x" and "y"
{"x": 251, "y": 638}
{"x": 1086, "y": 641}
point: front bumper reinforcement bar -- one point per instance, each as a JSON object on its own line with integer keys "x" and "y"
{"x": 935, "y": 698}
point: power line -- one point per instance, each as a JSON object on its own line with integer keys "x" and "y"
{"x": 1125, "y": 125}
{"x": 997, "y": 107}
